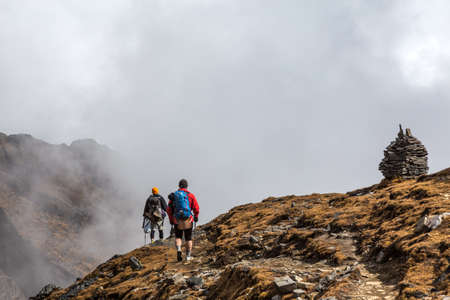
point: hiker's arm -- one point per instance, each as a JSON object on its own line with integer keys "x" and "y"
{"x": 145, "y": 207}
{"x": 143, "y": 214}
{"x": 170, "y": 214}
{"x": 170, "y": 209}
{"x": 194, "y": 205}
{"x": 163, "y": 203}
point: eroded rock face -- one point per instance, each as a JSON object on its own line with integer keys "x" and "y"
{"x": 406, "y": 157}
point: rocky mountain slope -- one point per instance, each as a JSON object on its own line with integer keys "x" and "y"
{"x": 387, "y": 241}
{"x": 48, "y": 195}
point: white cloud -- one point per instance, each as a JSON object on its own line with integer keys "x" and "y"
{"x": 423, "y": 50}
{"x": 264, "y": 97}
{"x": 422, "y": 60}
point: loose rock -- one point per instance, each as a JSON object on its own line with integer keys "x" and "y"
{"x": 45, "y": 292}
{"x": 178, "y": 279}
{"x": 285, "y": 284}
{"x": 195, "y": 281}
{"x": 325, "y": 282}
{"x": 299, "y": 292}
{"x": 135, "y": 263}
{"x": 380, "y": 257}
{"x": 434, "y": 221}
{"x": 178, "y": 297}
{"x": 427, "y": 223}
{"x": 76, "y": 288}
{"x": 253, "y": 239}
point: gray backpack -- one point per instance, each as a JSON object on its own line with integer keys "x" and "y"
{"x": 154, "y": 210}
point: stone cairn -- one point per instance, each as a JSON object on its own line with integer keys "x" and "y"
{"x": 405, "y": 157}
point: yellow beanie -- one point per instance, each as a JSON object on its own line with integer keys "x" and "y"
{"x": 155, "y": 191}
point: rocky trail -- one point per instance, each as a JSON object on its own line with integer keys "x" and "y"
{"x": 373, "y": 243}
{"x": 309, "y": 280}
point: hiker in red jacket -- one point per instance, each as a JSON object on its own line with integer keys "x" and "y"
{"x": 183, "y": 210}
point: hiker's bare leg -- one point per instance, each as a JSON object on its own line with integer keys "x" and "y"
{"x": 189, "y": 246}
{"x": 178, "y": 245}
{"x": 160, "y": 229}
{"x": 152, "y": 231}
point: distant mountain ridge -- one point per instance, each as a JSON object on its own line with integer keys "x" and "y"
{"x": 48, "y": 195}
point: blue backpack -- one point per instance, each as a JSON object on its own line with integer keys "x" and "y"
{"x": 181, "y": 205}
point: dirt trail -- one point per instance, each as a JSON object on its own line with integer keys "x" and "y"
{"x": 366, "y": 285}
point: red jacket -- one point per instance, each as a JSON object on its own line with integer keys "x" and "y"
{"x": 192, "y": 204}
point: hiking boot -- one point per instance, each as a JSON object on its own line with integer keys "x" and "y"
{"x": 179, "y": 256}
{"x": 188, "y": 255}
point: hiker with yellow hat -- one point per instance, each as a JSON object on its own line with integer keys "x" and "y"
{"x": 154, "y": 214}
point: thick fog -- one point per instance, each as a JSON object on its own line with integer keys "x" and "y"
{"x": 245, "y": 99}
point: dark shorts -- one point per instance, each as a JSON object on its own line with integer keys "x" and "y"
{"x": 187, "y": 233}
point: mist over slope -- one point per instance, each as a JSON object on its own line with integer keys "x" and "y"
{"x": 18, "y": 255}
{"x": 59, "y": 207}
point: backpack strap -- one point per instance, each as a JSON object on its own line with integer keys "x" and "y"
{"x": 187, "y": 196}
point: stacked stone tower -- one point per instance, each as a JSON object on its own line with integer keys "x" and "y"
{"x": 405, "y": 157}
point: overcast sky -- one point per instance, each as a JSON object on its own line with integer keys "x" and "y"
{"x": 246, "y": 99}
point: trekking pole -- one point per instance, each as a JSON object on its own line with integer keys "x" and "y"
{"x": 145, "y": 234}
{"x": 193, "y": 233}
